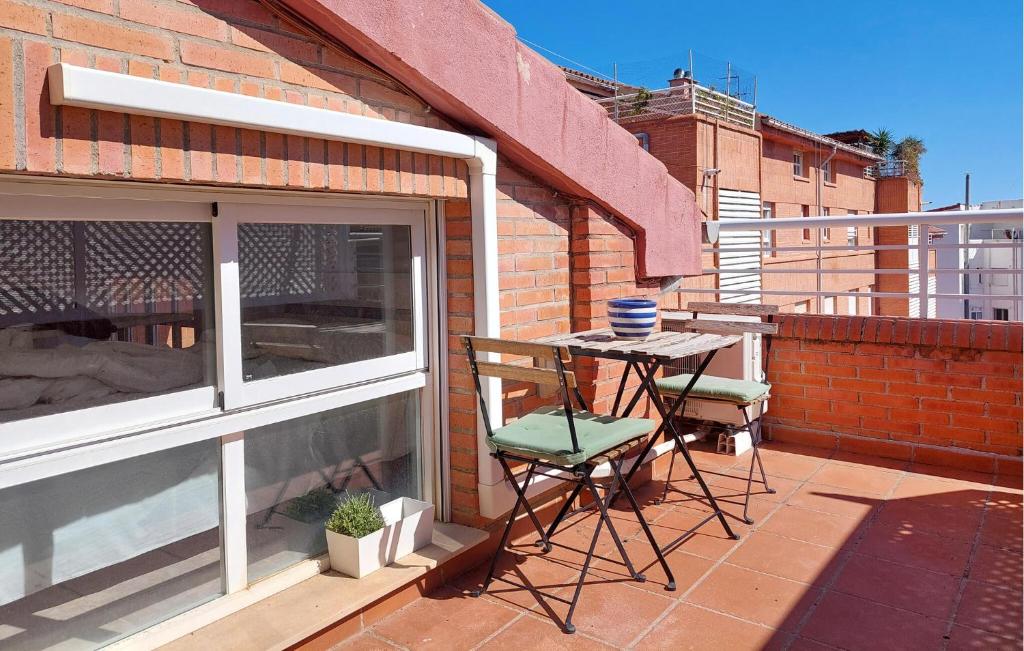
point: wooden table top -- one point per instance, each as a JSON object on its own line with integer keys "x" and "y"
{"x": 663, "y": 345}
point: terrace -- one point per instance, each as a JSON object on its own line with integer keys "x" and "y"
{"x": 852, "y": 552}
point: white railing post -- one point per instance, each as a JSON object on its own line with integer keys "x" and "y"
{"x": 922, "y": 271}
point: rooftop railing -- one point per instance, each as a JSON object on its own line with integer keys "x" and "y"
{"x": 685, "y": 99}
{"x": 742, "y": 262}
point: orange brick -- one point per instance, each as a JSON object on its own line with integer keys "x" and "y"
{"x": 142, "y": 134}
{"x": 40, "y": 143}
{"x": 226, "y": 59}
{"x": 290, "y": 47}
{"x": 176, "y": 18}
{"x": 22, "y": 17}
{"x": 7, "y": 153}
{"x": 112, "y": 36}
{"x": 172, "y": 145}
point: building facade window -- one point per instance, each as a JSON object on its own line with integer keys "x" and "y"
{"x": 826, "y": 172}
{"x": 270, "y": 359}
{"x": 977, "y": 313}
{"x": 805, "y": 211}
{"x": 1000, "y": 314}
{"x": 826, "y": 233}
{"x": 798, "y": 163}
{"x": 644, "y": 140}
{"x": 852, "y": 239}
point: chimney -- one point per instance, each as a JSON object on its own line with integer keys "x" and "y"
{"x": 680, "y": 77}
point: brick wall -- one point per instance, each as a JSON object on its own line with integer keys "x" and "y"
{"x": 236, "y": 46}
{"x": 935, "y": 392}
{"x": 240, "y": 46}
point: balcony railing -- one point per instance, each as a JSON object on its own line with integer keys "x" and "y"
{"x": 685, "y": 99}
{"x": 944, "y": 253}
{"x": 886, "y": 168}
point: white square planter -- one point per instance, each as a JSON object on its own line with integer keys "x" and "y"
{"x": 409, "y": 525}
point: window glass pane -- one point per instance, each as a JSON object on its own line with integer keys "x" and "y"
{"x": 317, "y": 295}
{"x": 100, "y": 312}
{"x": 296, "y": 471}
{"x": 98, "y": 554}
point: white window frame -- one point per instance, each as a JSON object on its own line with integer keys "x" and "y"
{"x": 34, "y": 435}
{"x": 826, "y": 172}
{"x": 644, "y": 140}
{"x": 83, "y": 447}
{"x": 798, "y": 163}
{"x": 238, "y": 393}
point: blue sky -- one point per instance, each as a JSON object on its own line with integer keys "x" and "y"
{"x": 947, "y": 72}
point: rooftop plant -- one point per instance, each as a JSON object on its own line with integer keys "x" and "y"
{"x": 356, "y": 516}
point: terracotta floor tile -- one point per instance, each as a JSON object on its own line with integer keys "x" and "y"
{"x": 922, "y": 550}
{"x": 940, "y": 492}
{"x": 444, "y": 620}
{"x": 852, "y": 623}
{"x": 771, "y": 449}
{"x": 790, "y": 466}
{"x": 691, "y": 627}
{"x": 365, "y": 642}
{"x": 838, "y": 501}
{"x": 1002, "y": 567}
{"x": 686, "y": 568}
{"x": 867, "y": 461}
{"x": 940, "y": 472}
{"x": 543, "y": 575}
{"x": 790, "y": 559}
{"x": 531, "y": 632}
{"x": 962, "y": 638}
{"x": 927, "y": 593}
{"x": 733, "y": 484}
{"x": 813, "y": 526}
{"x": 1002, "y": 529}
{"x": 710, "y": 541}
{"x": 612, "y": 611}
{"x": 857, "y": 477}
{"x": 990, "y": 608}
{"x": 956, "y": 522}
{"x": 760, "y": 598}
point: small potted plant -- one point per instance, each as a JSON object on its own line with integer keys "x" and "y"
{"x": 362, "y": 538}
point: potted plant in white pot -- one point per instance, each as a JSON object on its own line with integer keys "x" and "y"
{"x": 362, "y": 538}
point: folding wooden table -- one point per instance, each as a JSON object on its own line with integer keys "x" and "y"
{"x": 645, "y": 358}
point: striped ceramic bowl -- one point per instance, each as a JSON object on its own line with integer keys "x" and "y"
{"x": 632, "y": 318}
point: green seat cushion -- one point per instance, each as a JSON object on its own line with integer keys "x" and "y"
{"x": 715, "y": 388}
{"x": 544, "y": 434}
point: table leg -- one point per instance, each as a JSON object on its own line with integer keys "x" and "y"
{"x": 681, "y": 444}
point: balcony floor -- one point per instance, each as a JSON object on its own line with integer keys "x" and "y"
{"x": 851, "y": 552}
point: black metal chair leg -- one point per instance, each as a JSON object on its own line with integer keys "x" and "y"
{"x": 561, "y": 513}
{"x": 569, "y": 628}
{"x": 603, "y": 507}
{"x": 501, "y": 546}
{"x": 668, "y": 478}
{"x": 671, "y": 586}
{"x": 750, "y": 479}
{"x": 704, "y": 487}
{"x": 521, "y": 494}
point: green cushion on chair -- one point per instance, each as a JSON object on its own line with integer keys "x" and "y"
{"x": 544, "y": 434}
{"x": 715, "y": 388}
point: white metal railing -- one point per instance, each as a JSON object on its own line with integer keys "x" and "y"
{"x": 922, "y": 290}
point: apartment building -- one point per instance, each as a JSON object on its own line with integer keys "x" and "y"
{"x": 741, "y": 164}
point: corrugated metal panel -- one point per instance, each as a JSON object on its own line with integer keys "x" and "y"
{"x": 735, "y": 204}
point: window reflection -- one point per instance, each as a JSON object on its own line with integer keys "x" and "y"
{"x": 296, "y": 471}
{"x": 318, "y": 295}
{"x": 100, "y": 312}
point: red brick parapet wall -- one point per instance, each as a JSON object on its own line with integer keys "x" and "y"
{"x": 936, "y": 392}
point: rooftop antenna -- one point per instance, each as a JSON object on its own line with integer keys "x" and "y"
{"x": 615, "y": 78}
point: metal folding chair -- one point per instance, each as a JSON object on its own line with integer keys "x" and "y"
{"x": 560, "y": 438}
{"x": 745, "y": 395}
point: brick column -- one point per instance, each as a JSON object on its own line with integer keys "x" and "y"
{"x": 894, "y": 195}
